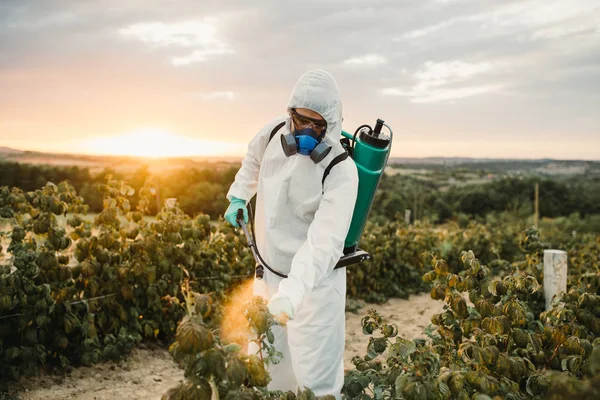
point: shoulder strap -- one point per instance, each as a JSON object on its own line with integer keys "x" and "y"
{"x": 338, "y": 159}
{"x": 274, "y": 131}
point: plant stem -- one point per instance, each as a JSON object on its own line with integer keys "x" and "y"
{"x": 213, "y": 386}
{"x": 260, "y": 348}
{"x": 554, "y": 354}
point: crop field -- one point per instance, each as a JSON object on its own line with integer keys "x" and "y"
{"x": 127, "y": 302}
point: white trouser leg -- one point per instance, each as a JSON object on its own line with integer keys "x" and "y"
{"x": 316, "y": 337}
{"x": 313, "y": 342}
{"x": 282, "y": 373}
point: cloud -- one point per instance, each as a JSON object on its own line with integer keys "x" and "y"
{"x": 423, "y": 95}
{"x": 536, "y": 13}
{"x": 503, "y": 19}
{"x": 561, "y": 31}
{"x": 197, "y": 35}
{"x": 184, "y": 34}
{"x": 198, "y": 56}
{"x": 535, "y": 60}
{"x": 435, "y": 74}
{"x": 517, "y": 38}
{"x": 432, "y": 81}
{"x": 368, "y": 60}
{"x": 429, "y": 29}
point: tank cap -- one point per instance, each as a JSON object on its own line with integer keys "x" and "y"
{"x": 381, "y": 141}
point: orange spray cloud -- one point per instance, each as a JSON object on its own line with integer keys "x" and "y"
{"x": 234, "y": 326}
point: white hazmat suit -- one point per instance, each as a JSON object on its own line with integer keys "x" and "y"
{"x": 301, "y": 225}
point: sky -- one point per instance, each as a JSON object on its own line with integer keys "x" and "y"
{"x": 452, "y": 78}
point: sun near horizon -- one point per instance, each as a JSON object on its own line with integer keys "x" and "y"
{"x": 157, "y": 143}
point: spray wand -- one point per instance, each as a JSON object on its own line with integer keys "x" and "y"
{"x": 260, "y": 263}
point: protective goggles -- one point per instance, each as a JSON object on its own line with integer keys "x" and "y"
{"x": 302, "y": 121}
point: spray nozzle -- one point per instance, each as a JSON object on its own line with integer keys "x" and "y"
{"x": 240, "y": 216}
{"x": 378, "y": 126}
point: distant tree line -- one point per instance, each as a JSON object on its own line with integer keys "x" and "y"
{"x": 203, "y": 189}
{"x": 557, "y": 197}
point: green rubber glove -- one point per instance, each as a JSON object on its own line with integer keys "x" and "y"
{"x": 232, "y": 210}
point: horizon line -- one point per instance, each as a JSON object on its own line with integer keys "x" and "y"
{"x": 157, "y": 158}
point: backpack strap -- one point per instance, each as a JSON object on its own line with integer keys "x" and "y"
{"x": 275, "y": 130}
{"x": 338, "y": 159}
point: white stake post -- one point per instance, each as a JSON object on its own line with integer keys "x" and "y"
{"x": 407, "y": 216}
{"x": 555, "y": 274}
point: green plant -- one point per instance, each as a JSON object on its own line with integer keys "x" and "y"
{"x": 489, "y": 343}
{"x": 75, "y": 291}
{"x": 216, "y": 369}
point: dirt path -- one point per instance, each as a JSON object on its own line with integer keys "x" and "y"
{"x": 145, "y": 374}
{"x": 149, "y": 371}
{"x": 411, "y": 316}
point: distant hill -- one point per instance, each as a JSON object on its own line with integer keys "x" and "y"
{"x": 544, "y": 166}
{"x": 97, "y": 163}
{"x": 463, "y": 160}
{"x": 8, "y": 150}
{"x": 129, "y": 163}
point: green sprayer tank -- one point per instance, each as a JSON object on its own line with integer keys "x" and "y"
{"x": 370, "y": 149}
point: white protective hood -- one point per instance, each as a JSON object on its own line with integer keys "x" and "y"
{"x": 318, "y": 91}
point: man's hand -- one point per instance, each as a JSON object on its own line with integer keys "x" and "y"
{"x": 232, "y": 210}
{"x": 281, "y": 304}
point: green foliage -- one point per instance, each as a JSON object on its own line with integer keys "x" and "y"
{"x": 395, "y": 267}
{"x": 439, "y": 195}
{"x": 408, "y": 369}
{"x": 216, "y": 369}
{"x": 398, "y": 193}
{"x": 200, "y": 189}
{"x": 75, "y": 291}
{"x": 82, "y": 292}
{"x": 397, "y": 250}
{"x": 491, "y": 340}
{"x": 433, "y": 194}
{"x": 211, "y": 366}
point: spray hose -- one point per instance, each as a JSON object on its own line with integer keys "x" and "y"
{"x": 259, "y": 260}
{"x": 356, "y": 133}
{"x": 346, "y": 260}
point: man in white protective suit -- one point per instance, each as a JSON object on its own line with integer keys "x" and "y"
{"x": 301, "y": 223}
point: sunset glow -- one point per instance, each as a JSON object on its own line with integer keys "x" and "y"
{"x": 158, "y": 143}
{"x": 453, "y": 78}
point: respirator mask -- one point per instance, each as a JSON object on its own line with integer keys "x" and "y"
{"x": 306, "y": 138}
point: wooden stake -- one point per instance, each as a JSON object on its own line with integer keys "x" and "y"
{"x": 536, "y": 215}
{"x": 555, "y": 274}
{"x": 415, "y": 204}
{"x": 407, "y": 216}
